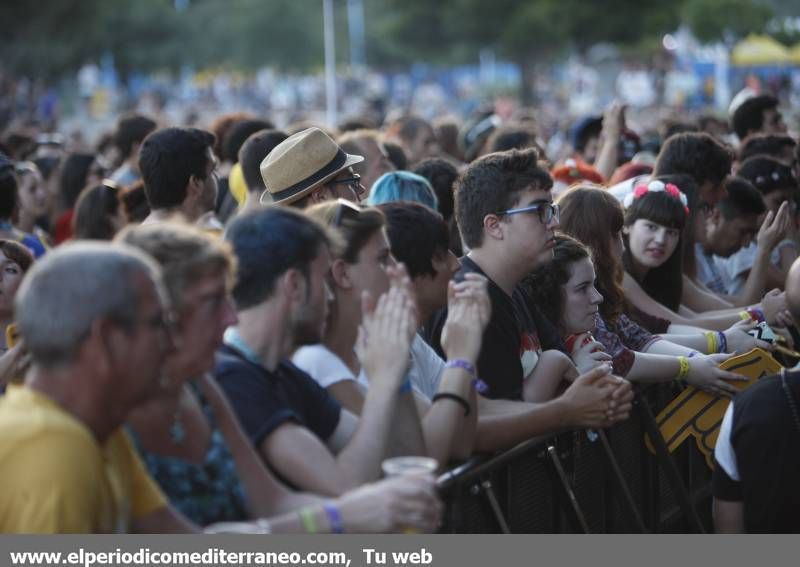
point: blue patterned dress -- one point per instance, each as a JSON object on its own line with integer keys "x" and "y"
{"x": 206, "y": 493}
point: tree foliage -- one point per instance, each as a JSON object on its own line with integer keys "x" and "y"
{"x": 714, "y": 20}
{"x": 57, "y": 37}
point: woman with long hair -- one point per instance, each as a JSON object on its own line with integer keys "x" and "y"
{"x": 564, "y": 289}
{"x": 364, "y": 265}
{"x": 595, "y": 218}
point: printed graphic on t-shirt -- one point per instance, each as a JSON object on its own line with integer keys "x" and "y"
{"x": 529, "y": 350}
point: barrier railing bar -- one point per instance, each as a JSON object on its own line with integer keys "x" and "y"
{"x": 565, "y": 485}
{"x": 622, "y": 485}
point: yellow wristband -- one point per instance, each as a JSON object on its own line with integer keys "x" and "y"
{"x": 744, "y": 315}
{"x": 309, "y": 521}
{"x": 711, "y": 341}
{"x": 684, "y": 368}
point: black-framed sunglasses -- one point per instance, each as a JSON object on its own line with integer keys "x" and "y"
{"x": 345, "y": 209}
{"x": 353, "y": 182}
{"x": 547, "y": 211}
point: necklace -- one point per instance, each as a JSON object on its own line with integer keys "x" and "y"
{"x": 177, "y": 432}
{"x": 790, "y": 399}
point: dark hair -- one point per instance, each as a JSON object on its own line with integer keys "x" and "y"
{"x": 545, "y": 285}
{"x": 767, "y": 174}
{"x": 94, "y": 212}
{"x": 396, "y": 153}
{"x": 9, "y": 189}
{"x": 132, "y": 129}
{"x": 673, "y": 127}
{"x": 354, "y": 229}
{"x": 416, "y": 234}
{"x": 749, "y": 116}
{"x": 492, "y": 184}
{"x": 168, "y": 159}
{"x": 134, "y": 202}
{"x": 18, "y": 253}
{"x": 594, "y": 216}
{"x": 354, "y": 124}
{"x": 74, "y": 172}
{"x": 267, "y": 244}
{"x": 222, "y": 124}
{"x": 664, "y": 283}
{"x": 407, "y": 128}
{"x": 253, "y": 152}
{"x": 767, "y": 144}
{"x": 442, "y": 175}
{"x": 511, "y": 138}
{"x": 697, "y": 155}
{"x": 47, "y": 165}
{"x": 584, "y": 130}
{"x": 238, "y": 133}
{"x": 742, "y": 199}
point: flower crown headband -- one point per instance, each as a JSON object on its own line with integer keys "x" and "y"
{"x": 656, "y": 187}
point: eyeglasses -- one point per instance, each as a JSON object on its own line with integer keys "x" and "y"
{"x": 353, "y": 182}
{"x": 547, "y": 211}
{"x": 345, "y": 209}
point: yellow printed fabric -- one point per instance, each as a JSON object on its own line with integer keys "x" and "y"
{"x": 56, "y": 478}
{"x": 697, "y": 415}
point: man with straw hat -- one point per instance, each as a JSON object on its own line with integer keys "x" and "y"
{"x": 308, "y": 168}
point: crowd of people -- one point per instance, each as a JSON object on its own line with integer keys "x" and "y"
{"x": 232, "y": 329}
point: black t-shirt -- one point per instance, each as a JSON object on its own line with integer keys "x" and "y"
{"x": 766, "y": 443}
{"x": 511, "y": 342}
{"x": 264, "y": 400}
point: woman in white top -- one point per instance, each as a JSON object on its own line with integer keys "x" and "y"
{"x": 361, "y": 271}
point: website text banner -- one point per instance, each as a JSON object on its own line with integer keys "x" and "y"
{"x": 395, "y": 551}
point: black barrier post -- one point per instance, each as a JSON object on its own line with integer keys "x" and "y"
{"x": 668, "y": 465}
{"x": 627, "y": 497}
{"x": 567, "y": 488}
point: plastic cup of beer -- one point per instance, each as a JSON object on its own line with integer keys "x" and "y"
{"x": 403, "y": 466}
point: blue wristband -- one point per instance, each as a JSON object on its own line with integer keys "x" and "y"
{"x": 480, "y": 386}
{"x": 722, "y": 342}
{"x": 693, "y": 353}
{"x": 334, "y": 518}
{"x": 462, "y": 364}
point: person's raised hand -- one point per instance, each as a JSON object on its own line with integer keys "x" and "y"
{"x": 384, "y": 340}
{"x": 587, "y": 356}
{"x": 774, "y": 227}
{"x": 468, "y": 314}
{"x": 775, "y": 308}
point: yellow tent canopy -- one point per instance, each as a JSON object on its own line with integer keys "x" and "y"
{"x": 759, "y": 50}
{"x": 794, "y": 54}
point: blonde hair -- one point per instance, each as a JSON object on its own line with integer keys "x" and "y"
{"x": 184, "y": 252}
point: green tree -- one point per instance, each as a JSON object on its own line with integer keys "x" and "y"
{"x": 714, "y": 20}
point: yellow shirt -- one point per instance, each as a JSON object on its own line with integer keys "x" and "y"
{"x": 56, "y": 478}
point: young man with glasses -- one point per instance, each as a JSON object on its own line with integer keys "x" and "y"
{"x": 507, "y": 220}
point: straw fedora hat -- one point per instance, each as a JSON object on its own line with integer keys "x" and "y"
{"x": 300, "y": 164}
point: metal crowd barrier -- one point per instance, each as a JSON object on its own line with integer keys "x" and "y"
{"x": 603, "y": 481}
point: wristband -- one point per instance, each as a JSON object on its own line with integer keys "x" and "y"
{"x": 744, "y": 316}
{"x": 711, "y": 342}
{"x": 334, "y": 518}
{"x": 694, "y": 353}
{"x": 684, "y": 368}
{"x": 480, "y": 386}
{"x": 755, "y": 314}
{"x": 722, "y": 343}
{"x": 309, "y": 521}
{"x": 405, "y": 387}
{"x": 462, "y": 364}
{"x": 455, "y": 397}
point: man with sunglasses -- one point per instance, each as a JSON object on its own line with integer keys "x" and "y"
{"x": 309, "y": 168}
{"x": 507, "y": 221}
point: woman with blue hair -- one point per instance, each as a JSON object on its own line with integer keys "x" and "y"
{"x": 402, "y": 186}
